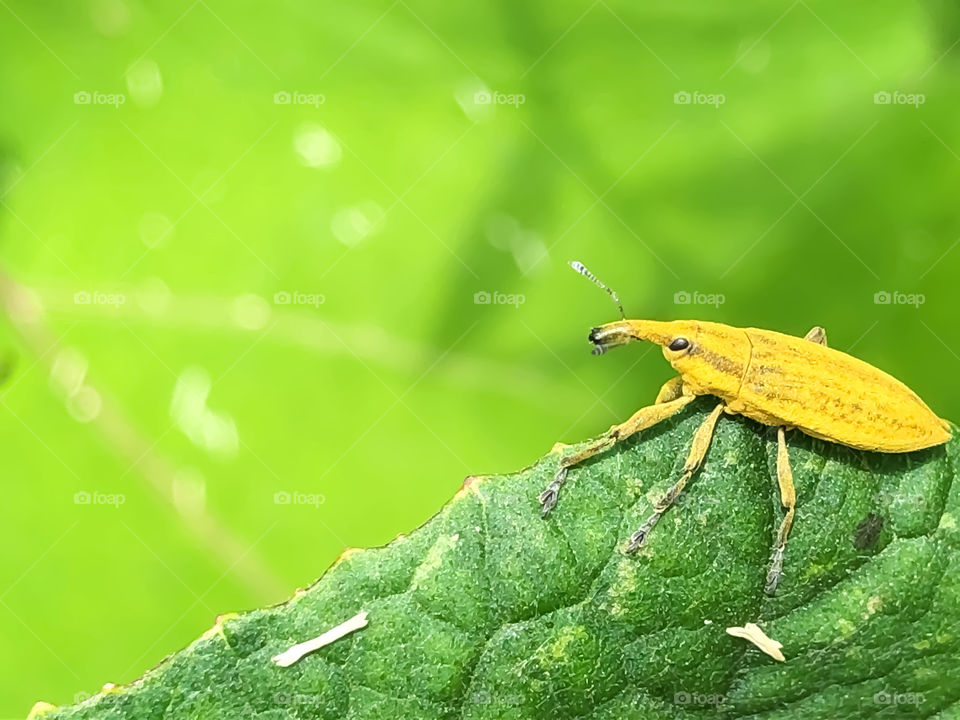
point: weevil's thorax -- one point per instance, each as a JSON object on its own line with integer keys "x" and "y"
{"x": 715, "y": 361}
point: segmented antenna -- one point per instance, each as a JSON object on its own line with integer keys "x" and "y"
{"x": 582, "y": 269}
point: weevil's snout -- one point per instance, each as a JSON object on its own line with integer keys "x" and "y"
{"x": 608, "y": 336}
{"x": 622, "y": 332}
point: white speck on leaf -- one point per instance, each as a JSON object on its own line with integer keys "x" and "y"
{"x": 290, "y": 656}
{"x": 758, "y": 637}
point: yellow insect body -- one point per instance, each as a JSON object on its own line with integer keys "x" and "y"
{"x": 775, "y": 379}
{"x": 779, "y": 379}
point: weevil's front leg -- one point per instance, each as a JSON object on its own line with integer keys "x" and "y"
{"x": 671, "y": 390}
{"x": 788, "y": 498}
{"x": 641, "y": 420}
{"x": 698, "y": 450}
{"x": 817, "y": 335}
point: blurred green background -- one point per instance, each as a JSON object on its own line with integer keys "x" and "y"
{"x": 242, "y": 246}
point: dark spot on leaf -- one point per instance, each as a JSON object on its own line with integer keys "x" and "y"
{"x": 868, "y": 531}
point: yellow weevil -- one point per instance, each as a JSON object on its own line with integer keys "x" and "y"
{"x": 775, "y": 379}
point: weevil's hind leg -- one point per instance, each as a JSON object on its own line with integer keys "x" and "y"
{"x": 817, "y": 335}
{"x": 671, "y": 390}
{"x": 641, "y": 420}
{"x": 788, "y": 498}
{"x": 698, "y": 450}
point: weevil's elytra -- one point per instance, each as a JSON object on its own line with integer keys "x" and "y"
{"x": 775, "y": 379}
{"x": 836, "y": 397}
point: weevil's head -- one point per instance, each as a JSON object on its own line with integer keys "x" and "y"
{"x": 710, "y": 357}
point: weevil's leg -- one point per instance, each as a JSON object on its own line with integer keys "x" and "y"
{"x": 698, "y": 450}
{"x": 817, "y": 335}
{"x": 788, "y": 498}
{"x": 641, "y": 420}
{"x": 671, "y": 390}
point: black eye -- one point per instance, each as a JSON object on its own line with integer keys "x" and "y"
{"x": 679, "y": 344}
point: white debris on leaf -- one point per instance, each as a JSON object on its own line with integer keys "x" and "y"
{"x": 759, "y": 638}
{"x": 290, "y": 656}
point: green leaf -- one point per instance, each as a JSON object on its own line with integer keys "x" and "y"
{"x": 488, "y": 611}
